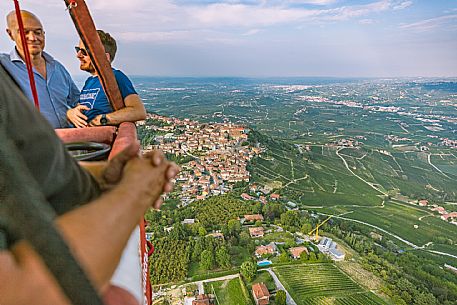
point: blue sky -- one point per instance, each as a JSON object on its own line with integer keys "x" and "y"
{"x": 354, "y": 38}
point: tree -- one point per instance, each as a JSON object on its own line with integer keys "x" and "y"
{"x": 258, "y": 223}
{"x": 425, "y": 299}
{"x": 304, "y": 256}
{"x": 201, "y": 231}
{"x": 284, "y": 257}
{"x": 272, "y": 210}
{"x": 280, "y": 298}
{"x": 320, "y": 257}
{"x": 312, "y": 257}
{"x": 222, "y": 257}
{"x": 198, "y": 249}
{"x": 178, "y": 232}
{"x": 206, "y": 260}
{"x": 234, "y": 227}
{"x": 291, "y": 219}
{"x": 248, "y": 270}
{"x": 244, "y": 238}
{"x": 306, "y": 228}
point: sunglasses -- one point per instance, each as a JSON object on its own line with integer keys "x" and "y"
{"x": 83, "y": 51}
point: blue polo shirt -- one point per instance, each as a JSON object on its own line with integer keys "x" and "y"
{"x": 93, "y": 96}
{"x": 56, "y": 94}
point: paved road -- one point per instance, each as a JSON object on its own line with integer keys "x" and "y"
{"x": 289, "y": 299}
{"x": 378, "y": 228}
{"x": 372, "y": 185}
{"x": 432, "y": 165}
{"x": 396, "y": 236}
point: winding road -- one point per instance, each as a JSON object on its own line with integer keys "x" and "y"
{"x": 414, "y": 246}
{"x": 372, "y": 185}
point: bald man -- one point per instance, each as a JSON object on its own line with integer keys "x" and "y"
{"x": 57, "y": 93}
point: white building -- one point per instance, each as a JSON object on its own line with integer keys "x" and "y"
{"x": 336, "y": 254}
{"x": 329, "y": 247}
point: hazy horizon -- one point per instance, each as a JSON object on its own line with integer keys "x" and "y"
{"x": 263, "y": 38}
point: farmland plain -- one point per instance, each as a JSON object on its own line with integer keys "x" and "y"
{"x": 339, "y": 145}
{"x": 323, "y": 284}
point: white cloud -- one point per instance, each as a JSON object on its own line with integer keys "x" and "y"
{"x": 154, "y": 36}
{"x": 430, "y": 24}
{"x": 402, "y": 5}
{"x": 315, "y": 2}
{"x": 165, "y": 19}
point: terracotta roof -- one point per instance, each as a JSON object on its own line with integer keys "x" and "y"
{"x": 260, "y": 291}
{"x": 201, "y": 299}
{"x": 296, "y": 251}
{"x": 256, "y": 231}
{"x": 253, "y": 217}
{"x": 261, "y": 250}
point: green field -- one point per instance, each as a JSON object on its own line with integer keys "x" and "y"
{"x": 323, "y": 284}
{"x": 278, "y": 237}
{"x": 315, "y": 178}
{"x": 228, "y": 292}
{"x": 401, "y": 219}
{"x": 264, "y": 277}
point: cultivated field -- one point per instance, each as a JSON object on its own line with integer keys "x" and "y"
{"x": 228, "y": 292}
{"x": 323, "y": 284}
{"x": 409, "y": 222}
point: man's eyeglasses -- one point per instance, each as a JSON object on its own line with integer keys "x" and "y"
{"x": 83, "y": 51}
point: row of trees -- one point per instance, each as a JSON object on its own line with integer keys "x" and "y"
{"x": 208, "y": 260}
{"x": 170, "y": 261}
{"x": 410, "y": 278}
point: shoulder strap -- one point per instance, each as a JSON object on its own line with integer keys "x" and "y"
{"x": 85, "y": 26}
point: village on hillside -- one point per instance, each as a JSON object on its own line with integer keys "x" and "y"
{"x": 218, "y": 154}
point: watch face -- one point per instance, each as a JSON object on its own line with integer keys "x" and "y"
{"x": 103, "y": 120}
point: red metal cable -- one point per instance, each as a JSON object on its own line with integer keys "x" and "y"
{"x": 28, "y": 61}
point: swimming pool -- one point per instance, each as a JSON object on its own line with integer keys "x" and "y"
{"x": 264, "y": 263}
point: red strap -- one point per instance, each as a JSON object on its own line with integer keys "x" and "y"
{"x": 28, "y": 62}
{"x": 145, "y": 264}
{"x": 150, "y": 247}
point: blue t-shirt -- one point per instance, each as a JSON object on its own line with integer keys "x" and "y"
{"x": 93, "y": 96}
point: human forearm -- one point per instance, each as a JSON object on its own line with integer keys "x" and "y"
{"x": 127, "y": 114}
{"x": 98, "y": 232}
{"x": 24, "y": 278}
{"x": 133, "y": 111}
{"x": 95, "y": 168}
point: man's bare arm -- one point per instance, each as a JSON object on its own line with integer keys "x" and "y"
{"x": 96, "y": 233}
{"x": 133, "y": 111}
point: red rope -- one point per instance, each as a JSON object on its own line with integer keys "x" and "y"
{"x": 28, "y": 61}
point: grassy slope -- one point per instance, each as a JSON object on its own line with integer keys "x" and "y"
{"x": 228, "y": 292}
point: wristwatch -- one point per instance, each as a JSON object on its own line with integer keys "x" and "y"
{"x": 104, "y": 120}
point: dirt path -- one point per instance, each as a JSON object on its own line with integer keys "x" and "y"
{"x": 372, "y": 185}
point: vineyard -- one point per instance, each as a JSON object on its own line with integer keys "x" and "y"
{"x": 323, "y": 284}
